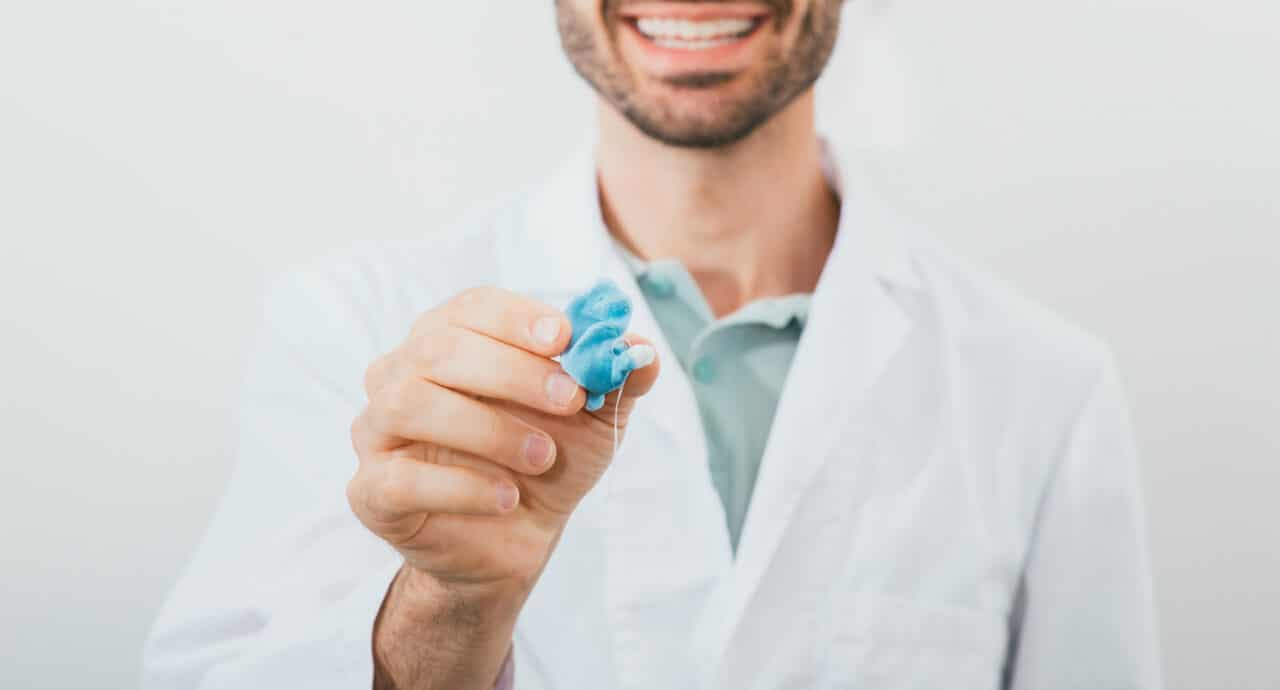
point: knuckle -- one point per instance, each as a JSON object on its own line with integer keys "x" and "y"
{"x": 373, "y": 375}
{"x": 363, "y": 499}
{"x": 450, "y": 412}
{"x": 358, "y": 426}
{"x": 395, "y": 491}
{"x": 431, "y": 320}
{"x": 354, "y": 492}
{"x": 434, "y": 352}
{"x": 475, "y": 297}
{"x": 394, "y": 408}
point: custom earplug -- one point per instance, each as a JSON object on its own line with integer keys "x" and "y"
{"x": 599, "y": 357}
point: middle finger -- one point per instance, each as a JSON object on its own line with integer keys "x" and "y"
{"x": 415, "y": 409}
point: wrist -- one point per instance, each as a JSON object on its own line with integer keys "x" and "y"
{"x": 421, "y": 594}
{"x": 432, "y": 635}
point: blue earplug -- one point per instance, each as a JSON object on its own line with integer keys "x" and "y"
{"x": 598, "y": 357}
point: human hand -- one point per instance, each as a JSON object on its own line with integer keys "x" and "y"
{"x": 475, "y": 447}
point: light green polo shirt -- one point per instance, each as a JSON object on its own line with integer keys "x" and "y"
{"x": 737, "y": 365}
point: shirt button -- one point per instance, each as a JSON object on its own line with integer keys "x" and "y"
{"x": 660, "y": 286}
{"x": 704, "y": 371}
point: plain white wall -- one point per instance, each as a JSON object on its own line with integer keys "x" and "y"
{"x": 158, "y": 160}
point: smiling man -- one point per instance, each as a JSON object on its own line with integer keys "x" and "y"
{"x": 848, "y": 459}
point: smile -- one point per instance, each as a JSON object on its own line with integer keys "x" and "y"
{"x": 681, "y": 40}
{"x": 694, "y": 35}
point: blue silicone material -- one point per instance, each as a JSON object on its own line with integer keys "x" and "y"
{"x": 597, "y": 356}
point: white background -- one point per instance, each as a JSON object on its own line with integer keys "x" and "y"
{"x": 158, "y": 160}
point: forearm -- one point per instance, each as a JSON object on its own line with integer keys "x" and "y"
{"x": 429, "y": 637}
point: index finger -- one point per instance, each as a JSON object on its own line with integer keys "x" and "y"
{"x": 510, "y": 318}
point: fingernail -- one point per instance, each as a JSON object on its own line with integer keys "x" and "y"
{"x": 508, "y": 497}
{"x": 537, "y": 450}
{"x": 546, "y": 329}
{"x": 561, "y": 388}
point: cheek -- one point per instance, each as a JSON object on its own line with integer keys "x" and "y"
{"x": 595, "y": 12}
{"x": 593, "y": 16}
{"x": 809, "y": 20}
{"x": 584, "y": 14}
{"x": 787, "y": 34}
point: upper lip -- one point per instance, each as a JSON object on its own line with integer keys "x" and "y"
{"x": 694, "y": 11}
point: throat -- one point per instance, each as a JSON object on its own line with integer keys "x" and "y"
{"x": 754, "y": 219}
{"x": 740, "y": 255}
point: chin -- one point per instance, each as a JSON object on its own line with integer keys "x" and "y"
{"x": 695, "y": 118}
{"x": 695, "y": 133}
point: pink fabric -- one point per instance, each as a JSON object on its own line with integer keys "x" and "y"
{"x": 507, "y": 676}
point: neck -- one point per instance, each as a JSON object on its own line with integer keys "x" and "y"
{"x": 753, "y": 219}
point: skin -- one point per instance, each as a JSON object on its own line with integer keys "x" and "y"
{"x": 727, "y": 156}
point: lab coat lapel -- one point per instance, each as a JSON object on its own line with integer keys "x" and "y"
{"x": 855, "y": 327}
{"x": 664, "y": 544}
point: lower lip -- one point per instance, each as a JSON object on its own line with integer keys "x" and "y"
{"x": 668, "y": 61}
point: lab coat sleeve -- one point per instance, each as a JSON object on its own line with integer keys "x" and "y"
{"x": 285, "y": 584}
{"x": 1085, "y": 615}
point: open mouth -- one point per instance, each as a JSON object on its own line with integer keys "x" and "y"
{"x": 695, "y": 34}
{"x": 693, "y": 40}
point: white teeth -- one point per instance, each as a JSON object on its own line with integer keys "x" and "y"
{"x": 681, "y": 44}
{"x": 693, "y": 31}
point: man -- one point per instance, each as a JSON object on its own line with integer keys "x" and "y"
{"x": 854, "y": 463}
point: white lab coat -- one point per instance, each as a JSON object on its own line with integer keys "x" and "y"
{"x": 949, "y": 497}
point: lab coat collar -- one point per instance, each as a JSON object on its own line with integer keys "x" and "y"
{"x": 567, "y": 243}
